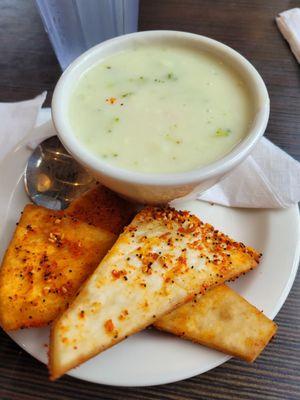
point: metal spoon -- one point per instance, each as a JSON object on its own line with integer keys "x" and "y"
{"x": 52, "y": 177}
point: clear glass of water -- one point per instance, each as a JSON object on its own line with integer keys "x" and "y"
{"x": 73, "y": 26}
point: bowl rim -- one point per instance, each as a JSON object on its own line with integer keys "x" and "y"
{"x": 219, "y": 167}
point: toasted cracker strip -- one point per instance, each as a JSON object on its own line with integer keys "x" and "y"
{"x": 223, "y": 320}
{"x": 50, "y": 256}
{"x": 162, "y": 260}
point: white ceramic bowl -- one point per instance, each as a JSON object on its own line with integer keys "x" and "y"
{"x": 159, "y": 188}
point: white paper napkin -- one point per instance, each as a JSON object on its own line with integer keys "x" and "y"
{"x": 288, "y": 23}
{"x": 269, "y": 178}
{"x": 18, "y": 121}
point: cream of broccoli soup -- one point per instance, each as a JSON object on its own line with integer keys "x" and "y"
{"x": 159, "y": 109}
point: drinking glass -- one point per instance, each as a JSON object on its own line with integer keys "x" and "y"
{"x": 73, "y": 26}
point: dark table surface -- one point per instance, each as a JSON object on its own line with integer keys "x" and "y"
{"x": 28, "y": 66}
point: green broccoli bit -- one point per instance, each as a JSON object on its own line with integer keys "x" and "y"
{"x": 126, "y": 94}
{"x": 171, "y": 76}
{"x": 222, "y": 132}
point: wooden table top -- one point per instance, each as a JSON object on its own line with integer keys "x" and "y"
{"x": 28, "y": 66}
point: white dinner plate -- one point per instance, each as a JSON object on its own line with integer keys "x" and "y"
{"x": 150, "y": 357}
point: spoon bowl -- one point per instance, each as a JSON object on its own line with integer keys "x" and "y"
{"x": 53, "y": 178}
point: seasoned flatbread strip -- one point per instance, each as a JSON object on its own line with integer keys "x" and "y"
{"x": 223, "y": 320}
{"x": 162, "y": 260}
{"x": 48, "y": 259}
